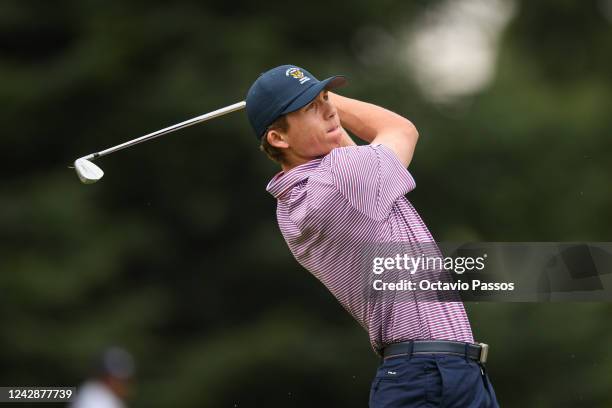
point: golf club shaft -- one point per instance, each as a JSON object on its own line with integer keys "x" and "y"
{"x": 169, "y": 129}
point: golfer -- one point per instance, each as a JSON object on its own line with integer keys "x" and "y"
{"x": 333, "y": 197}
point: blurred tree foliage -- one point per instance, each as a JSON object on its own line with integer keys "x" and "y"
{"x": 176, "y": 254}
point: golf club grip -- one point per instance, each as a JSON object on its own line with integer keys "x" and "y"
{"x": 169, "y": 129}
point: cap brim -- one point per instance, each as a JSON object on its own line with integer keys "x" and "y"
{"x": 309, "y": 94}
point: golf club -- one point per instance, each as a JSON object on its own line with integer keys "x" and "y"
{"x": 89, "y": 173}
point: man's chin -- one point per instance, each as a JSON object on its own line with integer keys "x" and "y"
{"x": 330, "y": 147}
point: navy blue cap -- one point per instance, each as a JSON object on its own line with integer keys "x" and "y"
{"x": 281, "y": 90}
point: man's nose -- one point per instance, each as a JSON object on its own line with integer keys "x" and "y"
{"x": 329, "y": 109}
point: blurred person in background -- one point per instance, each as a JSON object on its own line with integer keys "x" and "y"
{"x": 109, "y": 386}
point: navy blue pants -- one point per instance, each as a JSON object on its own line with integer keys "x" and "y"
{"x": 431, "y": 380}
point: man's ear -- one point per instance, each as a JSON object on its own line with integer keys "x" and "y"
{"x": 277, "y": 139}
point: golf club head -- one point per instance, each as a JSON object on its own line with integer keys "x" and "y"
{"x": 88, "y": 172}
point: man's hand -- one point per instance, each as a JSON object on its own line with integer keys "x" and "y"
{"x": 374, "y": 124}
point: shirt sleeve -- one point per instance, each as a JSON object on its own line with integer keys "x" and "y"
{"x": 370, "y": 177}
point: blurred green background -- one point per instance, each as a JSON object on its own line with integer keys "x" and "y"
{"x": 176, "y": 254}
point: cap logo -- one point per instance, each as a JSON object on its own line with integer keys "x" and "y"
{"x": 297, "y": 74}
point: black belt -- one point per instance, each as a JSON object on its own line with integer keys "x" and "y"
{"x": 477, "y": 352}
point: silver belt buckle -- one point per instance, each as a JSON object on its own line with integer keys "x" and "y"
{"x": 484, "y": 352}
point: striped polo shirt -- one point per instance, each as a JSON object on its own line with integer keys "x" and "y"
{"x": 328, "y": 208}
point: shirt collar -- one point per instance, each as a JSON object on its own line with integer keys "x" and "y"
{"x": 283, "y": 181}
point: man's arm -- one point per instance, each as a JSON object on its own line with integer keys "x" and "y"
{"x": 374, "y": 124}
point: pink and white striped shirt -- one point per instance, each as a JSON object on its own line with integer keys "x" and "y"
{"x": 330, "y": 207}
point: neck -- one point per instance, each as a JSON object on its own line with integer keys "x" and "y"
{"x": 288, "y": 166}
{"x": 291, "y": 161}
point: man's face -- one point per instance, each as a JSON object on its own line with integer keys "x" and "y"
{"x": 314, "y": 130}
